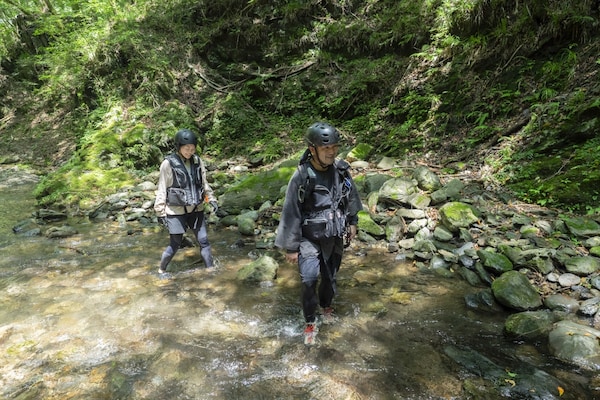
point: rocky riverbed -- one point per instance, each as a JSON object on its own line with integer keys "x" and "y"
{"x": 540, "y": 265}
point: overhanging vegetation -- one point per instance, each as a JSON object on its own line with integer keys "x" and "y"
{"x": 93, "y": 91}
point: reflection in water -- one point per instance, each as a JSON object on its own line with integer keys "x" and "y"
{"x": 88, "y": 317}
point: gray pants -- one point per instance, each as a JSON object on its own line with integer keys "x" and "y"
{"x": 178, "y": 225}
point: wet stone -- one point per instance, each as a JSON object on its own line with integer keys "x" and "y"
{"x": 561, "y": 302}
{"x": 590, "y": 307}
{"x": 568, "y": 280}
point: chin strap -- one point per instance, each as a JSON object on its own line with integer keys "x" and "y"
{"x": 318, "y": 160}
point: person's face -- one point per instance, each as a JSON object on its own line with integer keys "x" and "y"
{"x": 326, "y": 154}
{"x": 187, "y": 150}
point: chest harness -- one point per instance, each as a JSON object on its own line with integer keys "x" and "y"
{"x": 187, "y": 189}
{"x": 324, "y": 206}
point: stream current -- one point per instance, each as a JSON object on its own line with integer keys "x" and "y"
{"x": 88, "y": 317}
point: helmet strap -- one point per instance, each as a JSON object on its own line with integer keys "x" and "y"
{"x": 317, "y": 159}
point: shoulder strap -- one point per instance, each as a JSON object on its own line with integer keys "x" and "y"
{"x": 175, "y": 163}
{"x": 308, "y": 179}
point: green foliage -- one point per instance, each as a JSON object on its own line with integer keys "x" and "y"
{"x": 447, "y": 77}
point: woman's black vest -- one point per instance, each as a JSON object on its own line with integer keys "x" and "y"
{"x": 187, "y": 188}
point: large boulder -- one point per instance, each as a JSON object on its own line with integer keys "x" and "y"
{"x": 398, "y": 190}
{"x": 575, "y": 344}
{"x": 427, "y": 179}
{"x": 455, "y": 215}
{"x": 582, "y": 227}
{"x": 532, "y": 325}
{"x": 513, "y": 290}
{"x": 252, "y": 191}
{"x": 495, "y": 262}
{"x": 582, "y": 266}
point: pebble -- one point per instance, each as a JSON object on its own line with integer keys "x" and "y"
{"x": 568, "y": 280}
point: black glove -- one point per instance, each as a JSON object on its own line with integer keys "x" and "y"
{"x": 214, "y": 206}
{"x": 162, "y": 221}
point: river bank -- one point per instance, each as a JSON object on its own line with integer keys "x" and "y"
{"x": 130, "y": 214}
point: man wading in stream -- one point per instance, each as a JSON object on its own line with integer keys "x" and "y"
{"x": 180, "y": 197}
{"x": 319, "y": 213}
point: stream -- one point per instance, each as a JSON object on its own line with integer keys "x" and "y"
{"x": 88, "y": 317}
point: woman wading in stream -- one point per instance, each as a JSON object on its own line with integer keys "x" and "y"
{"x": 182, "y": 191}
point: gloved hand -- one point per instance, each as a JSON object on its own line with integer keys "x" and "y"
{"x": 215, "y": 206}
{"x": 162, "y": 221}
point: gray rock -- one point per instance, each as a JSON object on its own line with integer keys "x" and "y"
{"x": 575, "y": 344}
{"x": 582, "y": 265}
{"x": 416, "y": 225}
{"x": 50, "y": 215}
{"x": 589, "y": 307}
{"x": 410, "y": 213}
{"x": 595, "y": 281}
{"x": 426, "y": 179}
{"x": 542, "y": 264}
{"x": 470, "y": 276}
{"x": 398, "y": 190}
{"x": 483, "y": 300}
{"x": 60, "y": 231}
{"x": 592, "y": 242}
{"x": 568, "y": 280}
{"x": 453, "y": 188}
{"x": 394, "y": 229}
{"x": 27, "y": 228}
{"x": 561, "y": 302}
{"x": 419, "y": 201}
{"x": 442, "y": 234}
{"x": 386, "y": 163}
{"x": 246, "y": 224}
{"x": 532, "y": 383}
{"x": 374, "y": 182}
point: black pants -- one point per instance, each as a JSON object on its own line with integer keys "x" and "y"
{"x": 310, "y": 269}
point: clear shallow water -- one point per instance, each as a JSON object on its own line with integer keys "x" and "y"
{"x": 87, "y": 317}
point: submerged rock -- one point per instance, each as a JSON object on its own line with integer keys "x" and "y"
{"x": 530, "y": 324}
{"x": 261, "y": 270}
{"x": 576, "y": 344}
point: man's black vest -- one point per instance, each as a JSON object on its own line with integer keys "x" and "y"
{"x": 324, "y": 208}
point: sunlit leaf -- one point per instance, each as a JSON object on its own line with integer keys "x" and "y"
{"x": 510, "y": 374}
{"x": 561, "y": 391}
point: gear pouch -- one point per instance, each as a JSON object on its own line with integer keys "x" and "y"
{"x": 316, "y": 229}
{"x": 178, "y": 197}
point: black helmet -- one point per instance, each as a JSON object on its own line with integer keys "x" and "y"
{"x": 322, "y": 134}
{"x": 185, "y": 136}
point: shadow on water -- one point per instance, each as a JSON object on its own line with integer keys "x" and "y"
{"x": 88, "y": 317}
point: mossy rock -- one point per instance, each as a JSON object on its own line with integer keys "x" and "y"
{"x": 529, "y": 324}
{"x": 582, "y": 227}
{"x": 456, "y": 215}
{"x": 361, "y": 151}
{"x": 252, "y": 191}
{"x": 366, "y": 224}
{"x": 495, "y": 262}
{"x": 513, "y": 290}
{"x": 264, "y": 269}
